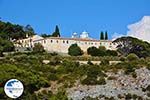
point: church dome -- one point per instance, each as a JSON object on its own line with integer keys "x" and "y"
{"x": 84, "y": 35}
{"x": 74, "y": 35}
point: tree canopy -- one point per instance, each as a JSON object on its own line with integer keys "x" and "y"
{"x": 56, "y": 33}
{"x": 75, "y": 50}
{"x": 14, "y": 31}
{"x": 101, "y": 51}
{"x": 106, "y": 35}
{"x": 127, "y": 45}
{"x": 5, "y": 46}
{"x": 102, "y": 36}
{"x": 38, "y": 48}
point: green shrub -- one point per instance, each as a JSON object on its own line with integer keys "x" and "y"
{"x": 128, "y": 96}
{"x": 75, "y": 50}
{"x": 55, "y": 60}
{"x": 148, "y": 88}
{"x": 134, "y": 75}
{"x": 111, "y": 78}
{"x": 89, "y": 81}
{"x": 129, "y": 68}
{"x": 148, "y": 66}
{"x": 38, "y": 48}
{"x": 101, "y": 81}
{"x": 89, "y": 62}
{"x": 132, "y": 57}
{"x": 104, "y": 62}
{"x": 148, "y": 94}
{"x": 52, "y": 77}
{"x": 122, "y": 59}
{"x": 111, "y": 53}
{"x": 134, "y": 96}
{"x": 92, "y": 81}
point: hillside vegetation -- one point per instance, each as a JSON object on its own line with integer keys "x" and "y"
{"x": 30, "y": 69}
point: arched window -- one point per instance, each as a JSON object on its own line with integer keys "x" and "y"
{"x": 51, "y": 41}
{"x": 100, "y": 43}
{"x": 67, "y": 42}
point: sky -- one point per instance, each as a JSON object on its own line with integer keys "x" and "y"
{"x": 93, "y": 16}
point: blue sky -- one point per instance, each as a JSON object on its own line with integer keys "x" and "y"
{"x": 93, "y": 16}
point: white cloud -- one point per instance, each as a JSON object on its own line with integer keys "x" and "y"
{"x": 140, "y": 29}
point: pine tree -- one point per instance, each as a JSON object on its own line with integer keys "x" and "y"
{"x": 102, "y": 36}
{"x": 56, "y": 33}
{"x": 106, "y": 35}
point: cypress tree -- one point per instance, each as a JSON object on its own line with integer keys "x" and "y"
{"x": 102, "y": 36}
{"x": 106, "y": 35}
{"x": 56, "y": 33}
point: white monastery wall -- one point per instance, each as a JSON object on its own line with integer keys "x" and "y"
{"x": 57, "y": 44}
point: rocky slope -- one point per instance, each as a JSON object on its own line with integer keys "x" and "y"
{"x": 120, "y": 86}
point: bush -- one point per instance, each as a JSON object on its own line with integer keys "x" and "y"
{"x": 134, "y": 75}
{"x": 89, "y": 62}
{"x": 104, "y": 62}
{"x": 38, "y": 48}
{"x": 52, "y": 77}
{"x": 134, "y": 96}
{"x": 93, "y": 51}
{"x": 55, "y": 60}
{"x": 111, "y": 53}
{"x": 89, "y": 81}
{"x": 148, "y": 88}
{"x": 101, "y": 81}
{"x": 148, "y": 65}
{"x": 75, "y": 50}
{"x": 129, "y": 70}
{"x": 132, "y": 57}
{"x": 122, "y": 59}
{"x": 148, "y": 94}
{"x": 6, "y": 45}
{"x": 101, "y": 51}
{"x": 128, "y": 97}
{"x": 93, "y": 81}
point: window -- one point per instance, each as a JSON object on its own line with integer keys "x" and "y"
{"x": 57, "y": 41}
{"x": 63, "y": 41}
{"x": 44, "y": 41}
{"x": 85, "y": 42}
{"x": 100, "y": 43}
{"x": 67, "y": 42}
{"x": 51, "y": 41}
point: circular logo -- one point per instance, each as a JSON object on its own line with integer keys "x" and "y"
{"x": 13, "y": 88}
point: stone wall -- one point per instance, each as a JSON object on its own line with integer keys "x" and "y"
{"x": 57, "y": 44}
